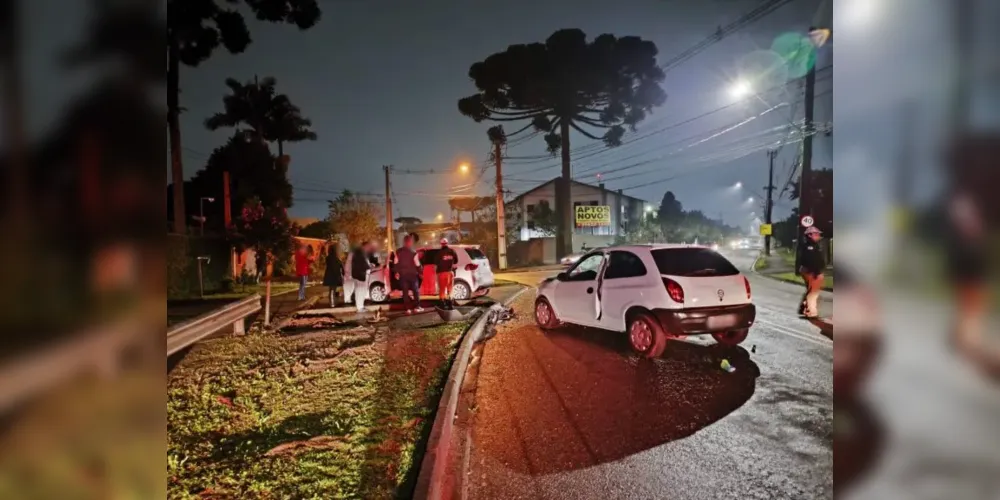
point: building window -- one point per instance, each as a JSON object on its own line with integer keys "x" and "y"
{"x": 531, "y": 225}
{"x": 531, "y": 209}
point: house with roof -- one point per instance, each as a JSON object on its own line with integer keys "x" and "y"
{"x": 600, "y": 215}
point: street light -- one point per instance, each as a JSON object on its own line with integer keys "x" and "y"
{"x": 738, "y": 185}
{"x": 464, "y": 168}
{"x": 201, "y": 211}
{"x": 740, "y": 89}
{"x": 440, "y": 217}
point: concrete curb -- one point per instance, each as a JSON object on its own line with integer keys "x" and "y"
{"x": 432, "y": 480}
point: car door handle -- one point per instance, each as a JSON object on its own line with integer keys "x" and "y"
{"x": 590, "y": 290}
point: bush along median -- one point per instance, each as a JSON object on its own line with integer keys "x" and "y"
{"x": 325, "y": 414}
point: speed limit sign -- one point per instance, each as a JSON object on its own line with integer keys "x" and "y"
{"x": 807, "y": 221}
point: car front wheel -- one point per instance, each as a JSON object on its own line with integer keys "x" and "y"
{"x": 646, "y": 335}
{"x": 732, "y": 337}
{"x": 377, "y": 293}
{"x": 544, "y": 315}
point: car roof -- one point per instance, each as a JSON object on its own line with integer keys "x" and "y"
{"x": 438, "y": 247}
{"x": 652, "y": 246}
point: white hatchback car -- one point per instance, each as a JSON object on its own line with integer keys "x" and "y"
{"x": 653, "y": 292}
{"x": 473, "y": 276}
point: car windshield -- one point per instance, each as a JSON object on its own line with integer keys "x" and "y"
{"x": 475, "y": 253}
{"x": 692, "y": 262}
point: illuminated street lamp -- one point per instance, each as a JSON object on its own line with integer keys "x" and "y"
{"x": 738, "y": 185}
{"x": 463, "y": 168}
{"x": 740, "y": 89}
{"x": 440, "y": 217}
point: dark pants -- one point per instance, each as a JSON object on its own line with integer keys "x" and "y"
{"x": 409, "y": 284}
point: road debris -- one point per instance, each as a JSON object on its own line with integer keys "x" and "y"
{"x": 726, "y": 367}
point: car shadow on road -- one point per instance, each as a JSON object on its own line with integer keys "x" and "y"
{"x": 602, "y": 403}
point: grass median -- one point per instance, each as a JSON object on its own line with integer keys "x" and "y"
{"x": 319, "y": 415}
{"x": 795, "y": 278}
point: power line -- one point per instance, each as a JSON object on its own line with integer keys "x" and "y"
{"x": 722, "y": 32}
{"x": 600, "y": 149}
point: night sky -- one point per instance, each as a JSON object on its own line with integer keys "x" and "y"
{"x": 381, "y": 81}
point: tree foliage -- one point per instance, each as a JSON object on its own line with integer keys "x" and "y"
{"x": 266, "y": 229}
{"x": 253, "y": 173}
{"x": 597, "y": 88}
{"x": 199, "y": 27}
{"x": 354, "y": 216}
{"x": 320, "y": 229}
{"x": 607, "y": 84}
{"x": 676, "y": 225}
{"x": 195, "y": 29}
{"x": 544, "y": 218}
{"x": 269, "y": 116}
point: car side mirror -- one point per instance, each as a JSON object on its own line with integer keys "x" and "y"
{"x": 563, "y": 276}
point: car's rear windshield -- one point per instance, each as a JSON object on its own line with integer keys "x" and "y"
{"x": 475, "y": 253}
{"x": 692, "y": 262}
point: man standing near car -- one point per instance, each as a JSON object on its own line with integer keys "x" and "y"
{"x": 356, "y": 282}
{"x": 445, "y": 263}
{"x": 408, "y": 268}
{"x": 812, "y": 263}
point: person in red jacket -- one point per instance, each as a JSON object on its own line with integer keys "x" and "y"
{"x": 303, "y": 260}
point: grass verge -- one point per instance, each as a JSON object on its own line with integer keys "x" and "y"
{"x": 795, "y": 278}
{"x": 321, "y": 415}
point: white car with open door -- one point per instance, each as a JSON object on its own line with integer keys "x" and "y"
{"x": 652, "y": 292}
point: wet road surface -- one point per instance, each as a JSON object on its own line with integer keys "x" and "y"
{"x": 573, "y": 414}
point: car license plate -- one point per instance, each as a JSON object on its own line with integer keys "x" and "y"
{"x": 721, "y": 322}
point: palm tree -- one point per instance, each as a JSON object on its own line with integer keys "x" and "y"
{"x": 288, "y": 124}
{"x": 195, "y": 28}
{"x": 269, "y": 116}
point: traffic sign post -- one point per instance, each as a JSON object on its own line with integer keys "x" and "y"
{"x": 807, "y": 221}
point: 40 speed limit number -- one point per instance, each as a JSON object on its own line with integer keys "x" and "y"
{"x": 587, "y": 215}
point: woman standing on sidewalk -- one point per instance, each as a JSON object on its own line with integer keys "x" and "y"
{"x": 333, "y": 276}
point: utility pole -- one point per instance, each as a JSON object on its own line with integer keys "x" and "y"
{"x": 805, "y": 198}
{"x": 501, "y": 221}
{"x": 388, "y": 209}
{"x": 769, "y": 202}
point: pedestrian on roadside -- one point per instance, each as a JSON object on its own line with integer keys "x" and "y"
{"x": 812, "y": 263}
{"x": 260, "y": 261}
{"x": 408, "y": 268}
{"x": 303, "y": 260}
{"x": 445, "y": 263}
{"x": 333, "y": 276}
{"x": 356, "y": 275}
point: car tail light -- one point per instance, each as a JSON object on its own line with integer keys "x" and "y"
{"x": 674, "y": 290}
{"x": 746, "y": 283}
{"x": 471, "y": 267}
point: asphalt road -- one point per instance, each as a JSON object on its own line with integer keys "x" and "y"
{"x": 573, "y": 414}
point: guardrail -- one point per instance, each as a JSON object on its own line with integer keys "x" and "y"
{"x": 184, "y": 334}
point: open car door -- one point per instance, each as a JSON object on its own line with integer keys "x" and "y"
{"x": 600, "y": 286}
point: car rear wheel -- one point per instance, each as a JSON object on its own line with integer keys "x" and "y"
{"x": 646, "y": 335}
{"x": 544, "y": 315}
{"x": 732, "y": 337}
{"x": 461, "y": 291}
{"x": 377, "y": 293}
